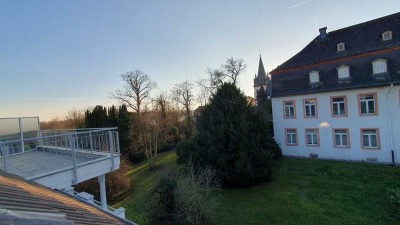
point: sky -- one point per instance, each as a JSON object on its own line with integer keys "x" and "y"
{"x": 56, "y": 56}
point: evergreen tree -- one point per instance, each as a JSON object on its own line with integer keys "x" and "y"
{"x": 232, "y": 138}
{"x": 264, "y": 101}
{"x": 124, "y": 121}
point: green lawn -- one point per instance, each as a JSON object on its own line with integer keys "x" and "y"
{"x": 303, "y": 191}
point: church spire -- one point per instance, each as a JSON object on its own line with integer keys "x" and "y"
{"x": 261, "y": 70}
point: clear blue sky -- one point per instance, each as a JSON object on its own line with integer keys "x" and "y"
{"x": 59, "y": 55}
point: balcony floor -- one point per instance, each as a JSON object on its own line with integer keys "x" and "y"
{"x": 36, "y": 162}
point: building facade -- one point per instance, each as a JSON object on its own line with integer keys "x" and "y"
{"x": 339, "y": 97}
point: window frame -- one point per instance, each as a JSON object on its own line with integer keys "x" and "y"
{"x": 297, "y": 137}
{"x": 377, "y": 62}
{"x": 374, "y": 94}
{"x": 338, "y": 69}
{"x": 378, "y": 139}
{"x": 345, "y": 106}
{"x": 304, "y": 108}
{"x": 338, "y": 49}
{"x": 314, "y": 72}
{"x": 334, "y": 138}
{"x": 306, "y": 137}
{"x": 390, "y": 33}
{"x": 284, "y": 109}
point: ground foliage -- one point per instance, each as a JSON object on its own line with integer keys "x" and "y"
{"x": 233, "y": 138}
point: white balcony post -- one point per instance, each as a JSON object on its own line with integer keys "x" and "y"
{"x": 73, "y": 154}
{"x": 21, "y": 135}
{"x": 5, "y": 152}
{"x": 111, "y": 148}
{"x": 91, "y": 141}
{"x": 103, "y": 196}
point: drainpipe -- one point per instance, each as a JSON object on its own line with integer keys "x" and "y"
{"x": 390, "y": 122}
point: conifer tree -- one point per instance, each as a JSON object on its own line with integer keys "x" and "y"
{"x": 232, "y": 138}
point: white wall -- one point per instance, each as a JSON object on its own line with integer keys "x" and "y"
{"x": 353, "y": 121}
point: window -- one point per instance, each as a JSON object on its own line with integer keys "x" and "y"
{"x": 379, "y": 66}
{"x": 291, "y": 136}
{"x": 314, "y": 76}
{"x": 310, "y": 108}
{"x": 370, "y": 138}
{"x": 341, "y": 138}
{"x": 289, "y": 109}
{"x": 312, "y": 137}
{"x": 367, "y": 104}
{"x": 339, "y": 106}
{"x": 387, "y": 36}
{"x": 343, "y": 72}
{"x": 340, "y": 47}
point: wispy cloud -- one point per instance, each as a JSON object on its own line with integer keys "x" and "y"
{"x": 299, "y": 4}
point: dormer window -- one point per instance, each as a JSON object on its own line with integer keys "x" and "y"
{"x": 343, "y": 72}
{"x": 314, "y": 77}
{"x": 387, "y": 36}
{"x": 379, "y": 66}
{"x": 340, "y": 47}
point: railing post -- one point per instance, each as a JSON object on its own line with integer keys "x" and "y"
{"x": 111, "y": 148}
{"x": 117, "y": 140}
{"x": 73, "y": 154}
{"x": 91, "y": 141}
{"x": 21, "y": 135}
{"x": 5, "y": 152}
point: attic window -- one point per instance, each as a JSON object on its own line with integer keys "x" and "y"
{"x": 314, "y": 77}
{"x": 387, "y": 36}
{"x": 343, "y": 71}
{"x": 379, "y": 66}
{"x": 340, "y": 47}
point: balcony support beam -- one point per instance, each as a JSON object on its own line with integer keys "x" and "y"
{"x": 103, "y": 196}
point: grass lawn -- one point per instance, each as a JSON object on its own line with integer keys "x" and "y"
{"x": 303, "y": 191}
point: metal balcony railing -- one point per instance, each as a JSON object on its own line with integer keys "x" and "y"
{"x": 56, "y": 149}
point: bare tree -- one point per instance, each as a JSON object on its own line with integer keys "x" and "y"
{"x": 75, "y": 119}
{"x": 149, "y": 138}
{"x": 233, "y": 67}
{"x": 136, "y": 90}
{"x": 161, "y": 105}
{"x": 228, "y": 72}
{"x": 183, "y": 95}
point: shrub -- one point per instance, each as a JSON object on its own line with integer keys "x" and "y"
{"x": 185, "y": 197}
{"x": 233, "y": 138}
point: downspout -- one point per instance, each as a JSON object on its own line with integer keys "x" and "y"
{"x": 390, "y": 122}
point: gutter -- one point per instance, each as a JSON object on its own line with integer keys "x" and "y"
{"x": 389, "y": 109}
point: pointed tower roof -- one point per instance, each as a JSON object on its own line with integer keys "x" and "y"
{"x": 261, "y": 70}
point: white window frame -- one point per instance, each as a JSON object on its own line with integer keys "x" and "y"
{"x": 293, "y": 106}
{"x": 387, "y": 35}
{"x": 292, "y": 133}
{"x": 341, "y": 133}
{"x": 308, "y": 103}
{"x": 314, "y": 134}
{"x": 375, "y": 135}
{"x": 367, "y": 103}
{"x": 340, "y": 47}
{"x": 379, "y": 66}
{"x": 338, "y": 104}
{"x": 314, "y": 76}
{"x": 343, "y": 72}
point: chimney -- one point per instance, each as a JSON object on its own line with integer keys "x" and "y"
{"x": 322, "y": 33}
